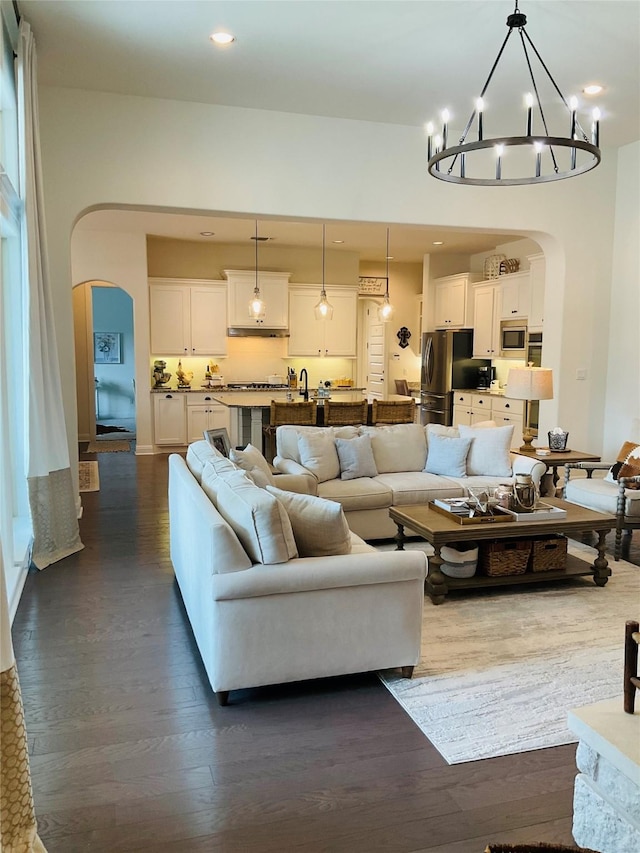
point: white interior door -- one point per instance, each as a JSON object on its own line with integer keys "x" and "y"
{"x": 376, "y": 353}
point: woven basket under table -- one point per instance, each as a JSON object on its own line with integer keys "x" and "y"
{"x": 505, "y": 557}
{"x": 548, "y": 554}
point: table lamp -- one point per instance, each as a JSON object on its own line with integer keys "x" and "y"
{"x": 529, "y": 383}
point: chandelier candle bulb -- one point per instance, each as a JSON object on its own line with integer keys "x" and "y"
{"x": 479, "y": 108}
{"x": 499, "y": 151}
{"x": 538, "y": 149}
{"x": 595, "y": 127}
{"x": 573, "y": 104}
{"x": 463, "y": 165}
{"x": 429, "y": 140}
{"x": 437, "y": 143}
{"x": 445, "y": 121}
{"x": 528, "y": 98}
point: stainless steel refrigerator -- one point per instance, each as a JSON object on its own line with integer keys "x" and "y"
{"x": 447, "y": 363}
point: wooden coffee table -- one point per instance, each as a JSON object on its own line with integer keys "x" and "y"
{"x": 439, "y": 530}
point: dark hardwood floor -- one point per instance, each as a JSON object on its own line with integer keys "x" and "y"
{"x": 130, "y": 751}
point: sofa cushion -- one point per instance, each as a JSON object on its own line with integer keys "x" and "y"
{"x": 418, "y": 487}
{"x": 287, "y": 438}
{"x": 215, "y": 470}
{"x": 356, "y": 457}
{"x": 198, "y": 454}
{"x": 318, "y": 454}
{"x": 362, "y": 493}
{"x": 598, "y": 494}
{"x": 399, "y": 447}
{"x": 447, "y": 455}
{"x": 253, "y": 462}
{"x": 489, "y": 452}
{"x": 259, "y": 520}
{"x": 319, "y": 526}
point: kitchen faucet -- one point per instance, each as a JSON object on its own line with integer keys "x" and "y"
{"x": 305, "y": 392}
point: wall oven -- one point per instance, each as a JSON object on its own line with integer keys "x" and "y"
{"x": 513, "y": 339}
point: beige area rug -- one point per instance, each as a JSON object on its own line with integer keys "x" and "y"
{"x": 108, "y": 447}
{"x": 500, "y": 668}
{"x": 88, "y": 476}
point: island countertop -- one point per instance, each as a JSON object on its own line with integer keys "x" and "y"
{"x": 262, "y": 399}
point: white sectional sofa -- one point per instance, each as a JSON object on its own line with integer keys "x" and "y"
{"x": 261, "y": 613}
{"x": 402, "y": 472}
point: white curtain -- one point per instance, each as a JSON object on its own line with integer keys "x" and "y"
{"x": 18, "y": 830}
{"x": 51, "y": 494}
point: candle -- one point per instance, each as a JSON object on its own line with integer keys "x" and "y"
{"x": 463, "y": 165}
{"x": 499, "y": 150}
{"x": 595, "y": 127}
{"x": 573, "y": 104}
{"x": 538, "y": 149}
{"x": 528, "y": 99}
{"x": 479, "y": 108}
{"x": 437, "y": 142}
{"x": 429, "y": 140}
{"x": 445, "y": 119}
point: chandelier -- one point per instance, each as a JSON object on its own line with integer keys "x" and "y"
{"x": 323, "y": 309}
{"x": 257, "y": 308}
{"x": 533, "y": 158}
{"x": 386, "y": 309}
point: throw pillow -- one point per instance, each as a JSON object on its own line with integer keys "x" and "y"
{"x": 356, "y": 457}
{"x": 249, "y": 459}
{"x": 318, "y": 454}
{"x": 447, "y": 455}
{"x": 397, "y": 448}
{"x": 258, "y": 519}
{"x": 319, "y": 526}
{"x": 627, "y": 464}
{"x": 489, "y": 452}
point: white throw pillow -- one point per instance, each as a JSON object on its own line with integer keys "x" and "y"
{"x": 489, "y": 451}
{"x": 447, "y": 455}
{"x": 258, "y": 519}
{"x": 356, "y": 457}
{"x": 318, "y": 454}
{"x": 319, "y": 526}
{"x": 397, "y": 448}
{"x": 249, "y": 459}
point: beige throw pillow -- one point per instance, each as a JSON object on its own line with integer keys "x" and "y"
{"x": 489, "y": 452}
{"x": 319, "y": 526}
{"x": 318, "y": 454}
{"x": 253, "y": 462}
{"x": 397, "y": 448}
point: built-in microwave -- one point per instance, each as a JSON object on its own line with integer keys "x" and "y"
{"x": 513, "y": 339}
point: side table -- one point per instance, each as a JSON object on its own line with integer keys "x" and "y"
{"x": 558, "y": 459}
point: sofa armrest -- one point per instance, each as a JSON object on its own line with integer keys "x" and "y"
{"x": 303, "y": 484}
{"x": 521, "y": 464}
{"x": 290, "y": 466}
{"x": 317, "y": 573}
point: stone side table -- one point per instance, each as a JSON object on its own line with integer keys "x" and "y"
{"x": 606, "y": 801}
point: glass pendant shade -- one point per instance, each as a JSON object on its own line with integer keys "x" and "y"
{"x": 323, "y": 309}
{"x": 386, "y": 309}
{"x": 257, "y": 308}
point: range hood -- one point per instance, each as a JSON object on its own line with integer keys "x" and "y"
{"x": 256, "y": 332}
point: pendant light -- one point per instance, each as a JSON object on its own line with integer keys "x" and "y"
{"x": 323, "y": 309}
{"x": 386, "y": 309}
{"x": 257, "y": 308}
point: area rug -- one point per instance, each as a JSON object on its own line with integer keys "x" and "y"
{"x": 88, "y": 477}
{"x": 500, "y": 668}
{"x": 108, "y": 447}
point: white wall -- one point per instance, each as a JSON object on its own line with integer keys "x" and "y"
{"x": 105, "y": 149}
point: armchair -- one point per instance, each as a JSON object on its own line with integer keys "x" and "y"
{"x": 612, "y": 497}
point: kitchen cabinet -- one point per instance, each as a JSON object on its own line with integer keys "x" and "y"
{"x": 536, "y": 295}
{"x": 203, "y": 413}
{"x": 486, "y": 320}
{"x": 169, "y": 421}
{"x": 453, "y": 301}
{"x": 312, "y": 337}
{"x": 470, "y": 408}
{"x": 514, "y": 296}
{"x": 274, "y": 287}
{"x": 188, "y": 317}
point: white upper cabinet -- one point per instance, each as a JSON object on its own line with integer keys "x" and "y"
{"x": 274, "y": 291}
{"x": 311, "y": 337}
{"x": 537, "y": 285}
{"x": 486, "y": 321}
{"x": 515, "y": 295}
{"x": 188, "y": 317}
{"x": 453, "y": 302}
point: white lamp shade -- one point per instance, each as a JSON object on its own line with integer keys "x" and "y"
{"x": 530, "y": 383}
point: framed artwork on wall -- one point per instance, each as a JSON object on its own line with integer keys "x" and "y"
{"x": 371, "y": 285}
{"x": 219, "y": 438}
{"x": 107, "y": 348}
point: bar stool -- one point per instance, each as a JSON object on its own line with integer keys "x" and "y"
{"x": 393, "y": 412}
{"x": 303, "y": 413}
{"x": 344, "y": 413}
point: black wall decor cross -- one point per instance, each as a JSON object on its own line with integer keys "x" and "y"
{"x": 403, "y": 336}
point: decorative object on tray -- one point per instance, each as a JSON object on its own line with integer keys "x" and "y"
{"x": 525, "y": 493}
{"x": 509, "y": 265}
{"x": 558, "y": 440}
{"x": 462, "y": 511}
{"x": 492, "y": 265}
{"x": 541, "y": 512}
{"x": 505, "y": 557}
{"x": 160, "y": 376}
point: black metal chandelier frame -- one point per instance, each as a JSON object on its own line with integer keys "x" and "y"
{"x": 577, "y": 140}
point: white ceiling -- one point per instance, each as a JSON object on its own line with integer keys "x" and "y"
{"x": 394, "y": 61}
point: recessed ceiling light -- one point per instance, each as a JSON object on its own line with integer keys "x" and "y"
{"x": 261, "y": 239}
{"x": 389, "y": 257}
{"x": 207, "y": 233}
{"x": 438, "y": 242}
{"x": 592, "y": 89}
{"x": 222, "y": 38}
{"x": 337, "y": 241}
